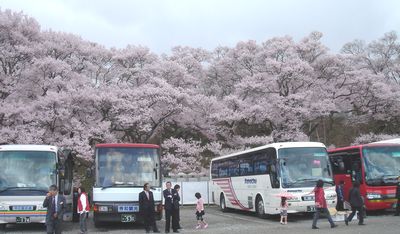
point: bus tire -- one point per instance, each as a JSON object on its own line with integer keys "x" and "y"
{"x": 260, "y": 209}
{"x": 97, "y": 224}
{"x": 222, "y": 203}
{"x": 3, "y": 226}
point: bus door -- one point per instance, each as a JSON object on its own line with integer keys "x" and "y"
{"x": 347, "y": 167}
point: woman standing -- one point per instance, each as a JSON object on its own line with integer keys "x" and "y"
{"x": 320, "y": 204}
{"x": 83, "y": 209}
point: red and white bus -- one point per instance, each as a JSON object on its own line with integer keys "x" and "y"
{"x": 121, "y": 172}
{"x": 376, "y": 166}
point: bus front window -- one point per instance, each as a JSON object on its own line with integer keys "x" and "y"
{"x": 26, "y": 171}
{"x": 382, "y": 165}
{"x": 127, "y": 166}
{"x": 302, "y": 167}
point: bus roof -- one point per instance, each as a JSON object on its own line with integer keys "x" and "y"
{"x": 28, "y": 148}
{"x": 279, "y": 145}
{"x": 394, "y": 141}
{"x": 374, "y": 144}
{"x": 126, "y": 145}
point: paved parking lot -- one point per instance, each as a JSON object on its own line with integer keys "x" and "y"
{"x": 237, "y": 222}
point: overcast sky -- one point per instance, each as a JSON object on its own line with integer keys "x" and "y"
{"x": 163, "y": 24}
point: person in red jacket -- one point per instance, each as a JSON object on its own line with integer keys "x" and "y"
{"x": 83, "y": 209}
{"x": 320, "y": 204}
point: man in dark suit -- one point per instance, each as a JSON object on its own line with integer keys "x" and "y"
{"x": 55, "y": 204}
{"x": 147, "y": 209}
{"x": 175, "y": 213}
{"x": 168, "y": 207}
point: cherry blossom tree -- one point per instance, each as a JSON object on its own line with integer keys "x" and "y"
{"x": 56, "y": 88}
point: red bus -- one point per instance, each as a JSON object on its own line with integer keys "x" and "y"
{"x": 376, "y": 166}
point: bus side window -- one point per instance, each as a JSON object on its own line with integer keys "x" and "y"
{"x": 338, "y": 166}
{"x": 272, "y": 162}
{"x": 246, "y": 167}
{"x": 214, "y": 169}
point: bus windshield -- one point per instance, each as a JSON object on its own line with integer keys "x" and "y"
{"x": 382, "y": 165}
{"x": 302, "y": 167}
{"x": 26, "y": 172}
{"x": 127, "y": 167}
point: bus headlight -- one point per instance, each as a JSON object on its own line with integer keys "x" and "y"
{"x": 331, "y": 197}
{"x": 372, "y": 196}
{"x": 293, "y": 199}
{"x": 104, "y": 209}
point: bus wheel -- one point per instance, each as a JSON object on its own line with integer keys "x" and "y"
{"x": 222, "y": 203}
{"x": 97, "y": 224}
{"x": 260, "y": 208}
{"x": 3, "y": 226}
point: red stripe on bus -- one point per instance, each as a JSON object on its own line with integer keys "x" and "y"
{"x": 226, "y": 186}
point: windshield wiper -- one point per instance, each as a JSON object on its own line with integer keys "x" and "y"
{"x": 329, "y": 181}
{"x": 9, "y": 188}
{"x": 375, "y": 181}
{"x": 23, "y": 188}
{"x": 394, "y": 177}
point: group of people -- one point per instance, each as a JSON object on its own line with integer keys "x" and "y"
{"x": 355, "y": 199}
{"x": 171, "y": 207}
{"x": 56, "y": 203}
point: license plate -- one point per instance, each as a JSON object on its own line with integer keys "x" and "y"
{"x": 22, "y": 208}
{"x": 128, "y": 208}
{"x": 308, "y": 198}
{"x": 127, "y": 218}
{"x": 311, "y": 208}
{"x": 23, "y": 220}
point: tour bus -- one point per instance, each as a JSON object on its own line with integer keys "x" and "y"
{"x": 255, "y": 179}
{"x": 26, "y": 172}
{"x": 121, "y": 172}
{"x": 376, "y": 166}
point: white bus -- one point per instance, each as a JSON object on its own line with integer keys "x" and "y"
{"x": 253, "y": 180}
{"x": 26, "y": 172}
{"x": 121, "y": 172}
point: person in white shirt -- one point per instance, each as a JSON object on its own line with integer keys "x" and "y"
{"x": 83, "y": 209}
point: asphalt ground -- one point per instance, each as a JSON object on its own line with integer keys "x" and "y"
{"x": 236, "y": 222}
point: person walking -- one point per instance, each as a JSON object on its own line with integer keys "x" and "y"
{"x": 55, "y": 204}
{"x": 397, "y": 213}
{"x": 175, "y": 213}
{"x": 284, "y": 208}
{"x": 356, "y": 203}
{"x": 147, "y": 209}
{"x": 321, "y": 205}
{"x": 83, "y": 209}
{"x": 200, "y": 212}
{"x": 340, "y": 196}
{"x": 168, "y": 207}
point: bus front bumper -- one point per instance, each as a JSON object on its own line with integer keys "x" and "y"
{"x": 114, "y": 214}
{"x": 22, "y": 219}
{"x": 299, "y": 207}
{"x": 380, "y": 204}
